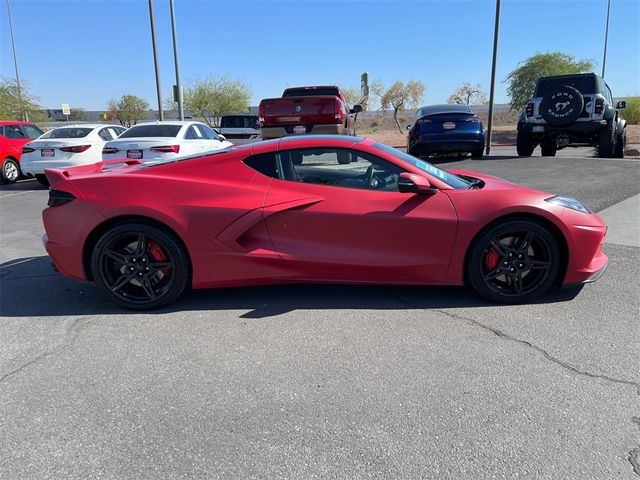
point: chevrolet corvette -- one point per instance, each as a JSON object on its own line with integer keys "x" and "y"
{"x": 311, "y": 209}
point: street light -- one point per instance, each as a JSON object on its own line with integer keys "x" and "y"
{"x": 23, "y": 114}
{"x": 606, "y": 37}
{"x": 175, "y": 59}
{"x": 155, "y": 60}
{"x": 493, "y": 74}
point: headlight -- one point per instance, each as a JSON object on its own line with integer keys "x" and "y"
{"x": 568, "y": 202}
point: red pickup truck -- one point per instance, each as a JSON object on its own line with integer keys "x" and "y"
{"x": 302, "y": 110}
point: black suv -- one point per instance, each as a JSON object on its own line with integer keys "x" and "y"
{"x": 572, "y": 111}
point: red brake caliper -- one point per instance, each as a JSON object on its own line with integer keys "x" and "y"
{"x": 158, "y": 255}
{"x": 491, "y": 259}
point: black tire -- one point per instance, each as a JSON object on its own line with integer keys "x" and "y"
{"x": 524, "y": 144}
{"x": 140, "y": 266}
{"x": 513, "y": 262}
{"x": 42, "y": 180}
{"x": 562, "y": 107}
{"x": 10, "y": 171}
{"x": 548, "y": 149}
{"x": 477, "y": 154}
{"x": 607, "y": 141}
{"x": 621, "y": 144}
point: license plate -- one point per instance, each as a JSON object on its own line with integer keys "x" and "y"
{"x": 48, "y": 152}
{"x": 136, "y": 154}
{"x": 538, "y": 128}
{"x": 299, "y": 129}
{"x": 448, "y": 125}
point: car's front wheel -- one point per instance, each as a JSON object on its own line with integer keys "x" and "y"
{"x": 140, "y": 266}
{"x": 607, "y": 141}
{"x": 513, "y": 262}
{"x": 524, "y": 144}
{"x": 10, "y": 171}
{"x": 621, "y": 144}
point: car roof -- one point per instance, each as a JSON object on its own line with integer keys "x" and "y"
{"x": 445, "y": 108}
{"x": 571, "y": 75}
{"x": 14, "y": 122}
{"x": 168, "y": 122}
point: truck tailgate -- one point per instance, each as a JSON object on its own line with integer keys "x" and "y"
{"x": 299, "y": 110}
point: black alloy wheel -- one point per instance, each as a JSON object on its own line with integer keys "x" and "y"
{"x": 140, "y": 266}
{"x": 513, "y": 262}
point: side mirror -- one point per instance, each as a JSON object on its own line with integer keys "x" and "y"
{"x": 356, "y": 109}
{"x": 222, "y": 138}
{"x": 621, "y": 104}
{"x": 217, "y": 130}
{"x": 414, "y": 183}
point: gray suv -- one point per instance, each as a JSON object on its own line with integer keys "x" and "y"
{"x": 572, "y": 111}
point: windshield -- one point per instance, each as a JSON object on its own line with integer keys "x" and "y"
{"x": 452, "y": 180}
{"x": 67, "y": 132}
{"x": 583, "y": 83}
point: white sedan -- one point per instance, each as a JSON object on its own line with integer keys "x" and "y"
{"x": 66, "y": 146}
{"x": 164, "y": 141}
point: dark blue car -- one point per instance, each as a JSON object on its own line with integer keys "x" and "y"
{"x": 446, "y": 129}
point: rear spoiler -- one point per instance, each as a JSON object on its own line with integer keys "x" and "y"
{"x": 55, "y": 175}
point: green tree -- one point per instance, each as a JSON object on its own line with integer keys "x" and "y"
{"x": 632, "y": 113}
{"x": 469, "y": 95}
{"x": 399, "y": 96}
{"x": 19, "y": 106}
{"x": 128, "y": 110}
{"x": 78, "y": 114}
{"x": 522, "y": 80}
{"x": 213, "y": 97}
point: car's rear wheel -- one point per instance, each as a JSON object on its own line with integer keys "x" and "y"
{"x": 42, "y": 180}
{"x": 524, "y": 144}
{"x": 513, "y": 262}
{"x": 477, "y": 153}
{"x": 548, "y": 149}
{"x": 607, "y": 141}
{"x": 140, "y": 266}
{"x": 621, "y": 144}
{"x": 10, "y": 171}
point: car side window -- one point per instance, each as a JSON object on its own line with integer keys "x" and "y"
{"x": 31, "y": 131}
{"x": 208, "y": 132}
{"x": 338, "y": 167}
{"x": 191, "y": 134}
{"x": 105, "y": 135}
{"x": 13, "y": 131}
{"x": 264, "y": 163}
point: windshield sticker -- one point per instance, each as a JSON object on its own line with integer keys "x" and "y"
{"x": 431, "y": 169}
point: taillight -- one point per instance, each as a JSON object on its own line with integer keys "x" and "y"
{"x": 28, "y": 149}
{"x": 599, "y": 105}
{"x": 75, "y": 149}
{"x": 529, "y": 110}
{"x": 166, "y": 149}
{"x": 261, "y": 113}
{"x": 339, "y": 116}
{"x": 58, "y": 198}
{"x": 109, "y": 150}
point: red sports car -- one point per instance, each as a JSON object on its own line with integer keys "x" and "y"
{"x": 312, "y": 209}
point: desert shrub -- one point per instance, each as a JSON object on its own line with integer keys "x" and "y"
{"x": 632, "y": 113}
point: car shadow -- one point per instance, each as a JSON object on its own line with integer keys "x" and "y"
{"x": 22, "y": 186}
{"x": 29, "y": 287}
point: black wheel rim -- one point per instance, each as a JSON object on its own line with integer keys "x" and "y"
{"x": 516, "y": 263}
{"x": 137, "y": 268}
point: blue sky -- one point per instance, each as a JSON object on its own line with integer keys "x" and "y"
{"x": 86, "y": 52}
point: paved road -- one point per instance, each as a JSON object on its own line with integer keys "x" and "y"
{"x": 323, "y": 382}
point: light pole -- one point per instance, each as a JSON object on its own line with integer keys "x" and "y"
{"x": 493, "y": 75}
{"x": 606, "y": 37}
{"x": 155, "y": 60}
{"x": 23, "y": 114}
{"x": 175, "y": 59}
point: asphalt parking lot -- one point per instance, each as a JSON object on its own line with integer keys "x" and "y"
{"x": 327, "y": 381}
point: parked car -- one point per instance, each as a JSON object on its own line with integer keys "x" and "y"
{"x": 572, "y": 111}
{"x": 446, "y": 129}
{"x": 65, "y": 147}
{"x": 13, "y": 136}
{"x": 252, "y": 215}
{"x": 313, "y": 110}
{"x": 159, "y": 142}
{"x": 240, "y": 129}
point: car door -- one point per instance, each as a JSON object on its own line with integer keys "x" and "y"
{"x": 15, "y": 138}
{"x": 340, "y": 220}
